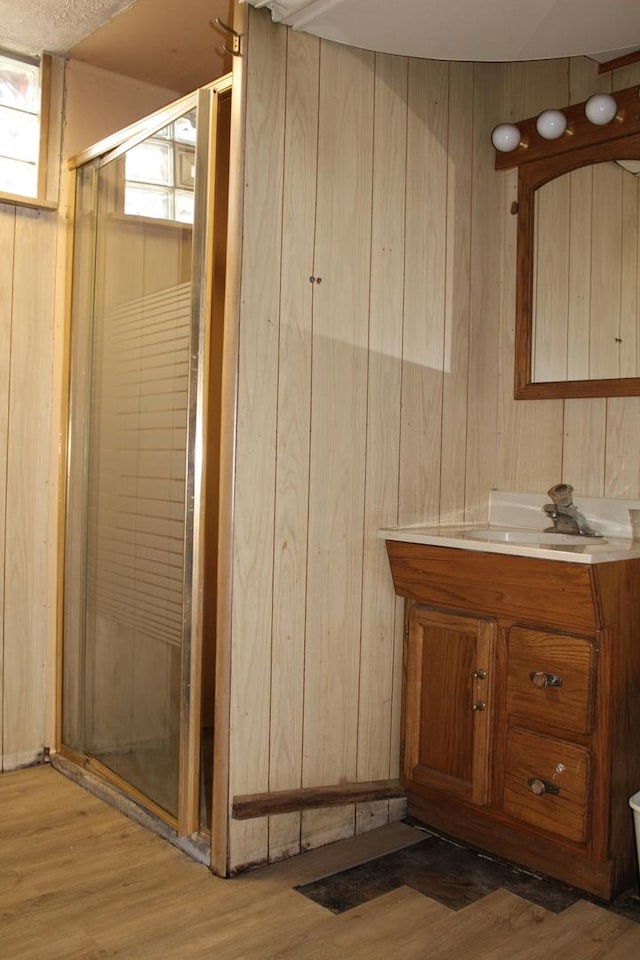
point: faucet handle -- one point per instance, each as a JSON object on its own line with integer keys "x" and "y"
{"x": 561, "y": 494}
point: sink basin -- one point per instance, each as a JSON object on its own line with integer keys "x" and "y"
{"x": 533, "y": 537}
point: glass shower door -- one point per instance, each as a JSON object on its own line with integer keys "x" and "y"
{"x": 136, "y": 472}
{"x": 132, "y": 644}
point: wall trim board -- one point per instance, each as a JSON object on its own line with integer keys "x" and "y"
{"x": 255, "y": 805}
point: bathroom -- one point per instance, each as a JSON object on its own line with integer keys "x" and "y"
{"x": 379, "y": 394}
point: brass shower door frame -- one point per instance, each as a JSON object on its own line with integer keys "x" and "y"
{"x": 208, "y": 100}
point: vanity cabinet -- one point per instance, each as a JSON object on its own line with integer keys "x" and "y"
{"x": 521, "y": 715}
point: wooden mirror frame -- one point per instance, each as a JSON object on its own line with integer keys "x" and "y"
{"x": 538, "y": 162}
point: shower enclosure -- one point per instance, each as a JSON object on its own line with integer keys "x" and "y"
{"x": 147, "y": 298}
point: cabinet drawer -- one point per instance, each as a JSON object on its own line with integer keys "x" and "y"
{"x": 550, "y": 679}
{"x": 547, "y": 784}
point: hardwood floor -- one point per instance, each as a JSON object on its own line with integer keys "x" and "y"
{"x": 79, "y": 881}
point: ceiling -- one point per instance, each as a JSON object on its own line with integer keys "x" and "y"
{"x": 170, "y": 43}
{"x": 30, "y": 26}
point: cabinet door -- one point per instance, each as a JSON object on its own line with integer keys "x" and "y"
{"x": 448, "y": 710}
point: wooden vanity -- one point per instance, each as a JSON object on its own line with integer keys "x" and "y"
{"x": 521, "y": 716}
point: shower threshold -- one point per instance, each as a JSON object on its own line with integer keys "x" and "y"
{"x": 196, "y": 846}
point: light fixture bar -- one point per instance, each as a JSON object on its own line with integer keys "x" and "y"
{"x": 621, "y": 120}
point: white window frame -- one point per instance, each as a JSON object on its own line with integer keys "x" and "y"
{"x": 51, "y": 83}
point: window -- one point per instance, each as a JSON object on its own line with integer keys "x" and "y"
{"x": 20, "y": 133}
{"x": 160, "y": 173}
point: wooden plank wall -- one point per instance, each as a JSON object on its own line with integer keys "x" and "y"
{"x": 27, "y": 277}
{"x": 353, "y": 404}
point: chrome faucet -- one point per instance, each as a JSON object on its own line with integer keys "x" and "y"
{"x": 566, "y": 518}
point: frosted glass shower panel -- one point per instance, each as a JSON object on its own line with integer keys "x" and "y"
{"x": 136, "y": 467}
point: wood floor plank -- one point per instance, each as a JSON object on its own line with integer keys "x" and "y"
{"x": 626, "y": 947}
{"x": 93, "y": 902}
{"x": 495, "y": 919}
{"x": 64, "y": 945}
{"x": 214, "y": 915}
{"x": 325, "y": 861}
{"x": 366, "y": 930}
{"x": 14, "y": 889}
{"x": 582, "y": 932}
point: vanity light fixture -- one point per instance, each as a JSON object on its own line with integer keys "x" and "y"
{"x": 505, "y": 137}
{"x": 600, "y": 109}
{"x": 563, "y": 130}
{"x": 551, "y": 124}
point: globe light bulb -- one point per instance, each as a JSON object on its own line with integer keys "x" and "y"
{"x": 551, "y": 124}
{"x": 505, "y": 137}
{"x": 600, "y": 109}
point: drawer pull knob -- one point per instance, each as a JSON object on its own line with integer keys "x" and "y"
{"x": 540, "y": 787}
{"x": 479, "y": 675}
{"x": 541, "y": 679}
{"x": 479, "y": 706}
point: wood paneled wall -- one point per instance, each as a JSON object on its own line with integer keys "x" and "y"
{"x": 359, "y": 268}
{"x": 27, "y": 280}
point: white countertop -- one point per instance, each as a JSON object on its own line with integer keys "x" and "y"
{"x": 516, "y": 526}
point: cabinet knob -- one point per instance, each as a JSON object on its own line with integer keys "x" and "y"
{"x": 541, "y": 679}
{"x": 540, "y": 787}
{"x": 479, "y": 675}
{"x": 479, "y": 706}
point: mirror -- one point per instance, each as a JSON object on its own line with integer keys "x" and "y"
{"x": 586, "y": 274}
{"x": 578, "y": 256}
